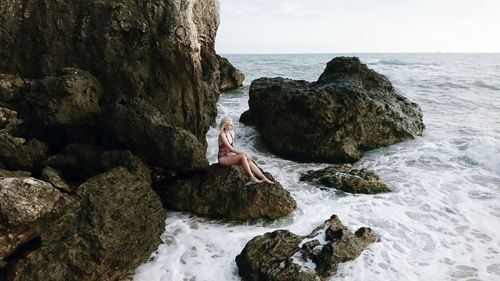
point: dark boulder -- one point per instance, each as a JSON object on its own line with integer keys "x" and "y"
{"x": 63, "y": 106}
{"x": 283, "y": 256}
{"x": 111, "y": 227}
{"x": 77, "y": 161}
{"x": 230, "y": 77}
{"x": 147, "y": 133}
{"x": 26, "y": 204}
{"x": 347, "y": 178}
{"x": 220, "y": 191}
{"x": 350, "y": 109}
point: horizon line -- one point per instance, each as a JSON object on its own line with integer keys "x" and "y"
{"x": 321, "y": 53}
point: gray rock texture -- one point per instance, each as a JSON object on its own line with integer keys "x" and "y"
{"x": 350, "y": 109}
{"x": 230, "y": 77}
{"x": 347, "y": 178}
{"x": 283, "y": 256}
{"x": 26, "y": 204}
{"x": 220, "y": 191}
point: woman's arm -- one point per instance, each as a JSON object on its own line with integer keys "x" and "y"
{"x": 224, "y": 140}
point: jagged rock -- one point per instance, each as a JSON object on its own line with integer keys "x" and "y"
{"x": 230, "y": 77}
{"x": 145, "y": 130}
{"x": 111, "y": 228}
{"x": 25, "y": 206}
{"x": 63, "y": 106}
{"x": 281, "y": 255}
{"x": 19, "y": 154}
{"x": 220, "y": 191}
{"x": 9, "y": 86}
{"x": 77, "y": 162}
{"x": 347, "y": 178}
{"x": 9, "y": 120}
{"x": 122, "y": 158}
{"x": 158, "y": 52}
{"x": 60, "y": 107}
{"x": 53, "y": 176}
{"x": 10, "y": 123}
{"x": 350, "y": 109}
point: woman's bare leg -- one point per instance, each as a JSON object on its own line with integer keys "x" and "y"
{"x": 257, "y": 172}
{"x": 236, "y": 159}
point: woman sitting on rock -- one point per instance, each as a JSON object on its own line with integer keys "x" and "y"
{"x": 228, "y": 155}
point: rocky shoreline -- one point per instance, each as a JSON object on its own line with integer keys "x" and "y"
{"x": 104, "y": 111}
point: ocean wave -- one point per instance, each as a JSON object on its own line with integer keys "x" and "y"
{"x": 451, "y": 85}
{"x": 486, "y": 86}
{"x": 393, "y": 62}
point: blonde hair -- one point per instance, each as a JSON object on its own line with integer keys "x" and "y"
{"x": 224, "y": 121}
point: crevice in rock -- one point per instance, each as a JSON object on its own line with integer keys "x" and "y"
{"x": 24, "y": 249}
{"x": 21, "y": 252}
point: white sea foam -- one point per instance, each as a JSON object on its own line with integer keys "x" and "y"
{"x": 440, "y": 222}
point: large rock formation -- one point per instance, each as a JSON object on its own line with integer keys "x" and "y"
{"x": 112, "y": 224}
{"x": 82, "y": 79}
{"x": 347, "y": 178}
{"x": 351, "y": 108}
{"x": 283, "y": 256}
{"x": 230, "y": 77}
{"x": 221, "y": 192}
{"x": 154, "y": 55}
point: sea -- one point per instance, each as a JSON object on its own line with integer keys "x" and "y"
{"x": 440, "y": 222}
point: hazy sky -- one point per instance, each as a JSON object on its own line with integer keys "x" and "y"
{"x": 334, "y": 26}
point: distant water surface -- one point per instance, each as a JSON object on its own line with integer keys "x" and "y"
{"x": 442, "y": 220}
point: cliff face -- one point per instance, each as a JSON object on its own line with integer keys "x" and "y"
{"x": 155, "y": 57}
{"x": 83, "y": 83}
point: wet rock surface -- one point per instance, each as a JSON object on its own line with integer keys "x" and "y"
{"x": 282, "y": 255}
{"x": 347, "y": 178}
{"x": 350, "y": 109}
{"x": 230, "y": 77}
{"x": 221, "y": 191}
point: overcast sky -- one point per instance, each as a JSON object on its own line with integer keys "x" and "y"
{"x": 335, "y": 26}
